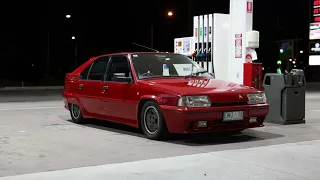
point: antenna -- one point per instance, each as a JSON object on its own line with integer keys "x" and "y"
{"x": 145, "y": 47}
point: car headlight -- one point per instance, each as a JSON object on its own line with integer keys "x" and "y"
{"x": 256, "y": 98}
{"x": 194, "y": 101}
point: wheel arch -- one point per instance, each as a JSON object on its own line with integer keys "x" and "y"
{"x": 75, "y": 100}
{"x": 142, "y": 101}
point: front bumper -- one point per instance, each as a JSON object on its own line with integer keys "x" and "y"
{"x": 183, "y": 120}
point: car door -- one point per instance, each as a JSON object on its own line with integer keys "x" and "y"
{"x": 90, "y": 86}
{"x": 117, "y": 98}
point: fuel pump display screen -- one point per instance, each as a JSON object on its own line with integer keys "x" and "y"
{"x": 315, "y": 20}
{"x": 315, "y": 11}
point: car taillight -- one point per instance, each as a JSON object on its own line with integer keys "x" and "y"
{"x": 69, "y": 80}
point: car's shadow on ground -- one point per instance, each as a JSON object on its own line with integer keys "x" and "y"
{"x": 191, "y": 139}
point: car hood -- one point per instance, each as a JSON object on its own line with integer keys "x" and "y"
{"x": 199, "y": 86}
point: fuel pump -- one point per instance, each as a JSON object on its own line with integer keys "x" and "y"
{"x": 252, "y": 72}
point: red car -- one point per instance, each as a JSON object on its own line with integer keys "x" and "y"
{"x": 161, "y": 93}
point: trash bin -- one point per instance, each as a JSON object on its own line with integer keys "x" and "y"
{"x": 301, "y": 78}
{"x": 286, "y": 96}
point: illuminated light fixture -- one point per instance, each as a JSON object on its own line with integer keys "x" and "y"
{"x": 73, "y": 37}
{"x": 314, "y": 60}
{"x": 290, "y": 59}
{"x": 68, "y": 16}
{"x": 301, "y": 52}
{"x": 279, "y": 62}
{"x": 281, "y": 50}
{"x": 170, "y": 13}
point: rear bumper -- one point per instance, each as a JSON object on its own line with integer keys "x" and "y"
{"x": 69, "y": 98}
{"x": 65, "y": 97}
{"x": 185, "y": 120}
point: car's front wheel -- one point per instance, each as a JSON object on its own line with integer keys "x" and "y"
{"x": 76, "y": 114}
{"x": 152, "y": 121}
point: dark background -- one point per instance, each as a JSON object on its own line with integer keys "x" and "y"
{"x": 29, "y": 30}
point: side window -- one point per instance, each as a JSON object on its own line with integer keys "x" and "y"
{"x": 85, "y": 72}
{"x": 98, "y": 68}
{"x": 119, "y": 67}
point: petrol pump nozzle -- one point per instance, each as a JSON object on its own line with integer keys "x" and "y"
{"x": 203, "y": 54}
{"x": 194, "y": 54}
{"x": 198, "y": 53}
{"x": 208, "y": 54}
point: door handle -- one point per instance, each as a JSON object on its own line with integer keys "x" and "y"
{"x": 80, "y": 86}
{"x": 105, "y": 87}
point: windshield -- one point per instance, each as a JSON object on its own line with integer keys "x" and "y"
{"x": 166, "y": 65}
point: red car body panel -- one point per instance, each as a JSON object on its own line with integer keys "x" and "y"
{"x": 120, "y": 103}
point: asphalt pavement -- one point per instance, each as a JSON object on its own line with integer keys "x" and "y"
{"x": 38, "y": 142}
{"x": 30, "y": 95}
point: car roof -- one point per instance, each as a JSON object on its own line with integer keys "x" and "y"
{"x": 127, "y": 53}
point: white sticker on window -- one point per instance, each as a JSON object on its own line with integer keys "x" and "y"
{"x": 165, "y": 71}
{"x": 183, "y": 69}
{"x": 134, "y": 55}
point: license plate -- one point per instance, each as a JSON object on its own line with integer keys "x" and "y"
{"x": 233, "y": 116}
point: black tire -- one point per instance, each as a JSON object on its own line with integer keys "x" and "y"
{"x": 162, "y": 131}
{"x": 76, "y": 118}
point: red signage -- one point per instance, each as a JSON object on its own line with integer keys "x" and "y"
{"x": 249, "y": 7}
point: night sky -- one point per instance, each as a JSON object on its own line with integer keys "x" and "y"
{"x": 28, "y": 27}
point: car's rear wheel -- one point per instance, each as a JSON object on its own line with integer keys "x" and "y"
{"x": 76, "y": 114}
{"x": 152, "y": 121}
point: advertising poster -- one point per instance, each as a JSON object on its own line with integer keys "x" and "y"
{"x": 186, "y": 45}
{"x": 314, "y": 31}
{"x": 238, "y": 45}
